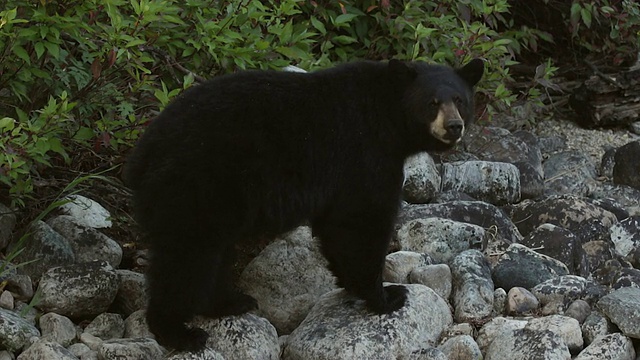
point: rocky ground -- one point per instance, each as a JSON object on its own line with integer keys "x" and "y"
{"x": 522, "y": 246}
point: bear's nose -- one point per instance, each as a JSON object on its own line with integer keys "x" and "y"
{"x": 454, "y": 128}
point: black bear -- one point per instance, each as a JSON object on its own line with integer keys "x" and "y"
{"x": 258, "y": 153}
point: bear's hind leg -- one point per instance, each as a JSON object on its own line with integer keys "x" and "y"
{"x": 224, "y": 298}
{"x": 180, "y": 276}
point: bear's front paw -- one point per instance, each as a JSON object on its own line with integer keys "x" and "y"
{"x": 395, "y": 298}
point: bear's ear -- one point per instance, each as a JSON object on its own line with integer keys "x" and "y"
{"x": 472, "y": 72}
{"x": 402, "y": 70}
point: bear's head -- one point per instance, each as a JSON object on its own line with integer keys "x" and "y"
{"x": 437, "y": 101}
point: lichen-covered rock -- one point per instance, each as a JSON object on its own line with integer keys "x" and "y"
{"x": 472, "y": 212}
{"x": 287, "y": 278}
{"x": 521, "y": 266}
{"x": 461, "y": 347}
{"x": 569, "y": 172}
{"x": 87, "y": 212}
{"x": 135, "y": 326}
{"x": 594, "y": 326}
{"x": 57, "y": 328}
{"x": 495, "y": 327}
{"x": 554, "y": 241}
{"x": 421, "y": 179}
{"x": 626, "y": 238}
{"x": 400, "y": 264}
{"x": 622, "y": 306}
{"x": 339, "y": 327}
{"x": 43, "y": 248}
{"x": 472, "y": 286}
{"x": 78, "y": 290}
{"x": 520, "y": 301}
{"x": 528, "y": 344}
{"x": 567, "y": 328}
{"x": 567, "y": 211}
{"x": 106, "y": 326}
{"x": 497, "y": 183}
{"x": 132, "y": 292}
{"x": 609, "y": 347}
{"x": 44, "y": 349}
{"x": 560, "y": 290}
{"x": 442, "y": 239}
{"x": 88, "y": 244}
{"x": 130, "y": 349}
{"x": 15, "y": 331}
{"x": 624, "y": 195}
{"x": 437, "y": 277}
{"x": 241, "y": 337}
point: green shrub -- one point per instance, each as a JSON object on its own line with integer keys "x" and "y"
{"x": 80, "y": 79}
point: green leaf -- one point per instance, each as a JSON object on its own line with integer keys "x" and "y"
{"x": 586, "y": 17}
{"x": 39, "y": 48}
{"x": 54, "y": 49}
{"x": 343, "y": 19}
{"x": 20, "y": 52}
{"x": 7, "y": 124}
{"x": 343, "y": 39}
{"x": 83, "y": 134}
{"x": 318, "y": 25}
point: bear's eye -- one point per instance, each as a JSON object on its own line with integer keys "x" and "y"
{"x": 434, "y": 103}
{"x": 457, "y": 100}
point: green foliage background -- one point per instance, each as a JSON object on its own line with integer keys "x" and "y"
{"x": 80, "y": 79}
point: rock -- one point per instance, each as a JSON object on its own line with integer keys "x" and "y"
{"x": 399, "y": 265}
{"x": 461, "y": 347}
{"x": 569, "y": 172}
{"x": 595, "y": 326}
{"x": 106, "y": 326}
{"x": 567, "y": 328}
{"x": 626, "y": 170}
{"x": 82, "y": 352}
{"x": 57, "y": 328}
{"x": 499, "y": 301}
{"x": 472, "y": 287}
{"x": 20, "y": 286}
{"x": 47, "y": 246}
{"x": 86, "y": 212}
{"x": 520, "y": 301}
{"x": 497, "y": 183}
{"x": 287, "y": 278}
{"x": 626, "y": 238}
{"x": 607, "y": 162}
{"x": 6, "y": 300}
{"x": 7, "y": 224}
{"x": 566, "y": 211}
{"x": 437, "y": 277}
{"x": 93, "y": 342}
{"x": 442, "y": 239}
{"x": 206, "y": 354}
{"x": 610, "y": 204}
{"x": 528, "y": 344}
{"x": 130, "y": 349}
{"x": 78, "y": 290}
{"x": 44, "y": 349}
{"x": 88, "y": 244}
{"x": 622, "y": 306}
{"x": 427, "y": 354}
{"x": 531, "y": 181}
{"x": 15, "y": 331}
{"x": 521, "y": 266}
{"x": 579, "y": 310}
{"x": 560, "y": 290}
{"x": 135, "y": 326}
{"x": 132, "y": 292}
{"x": 421, "y": 179}
{"x": 624, "y": 195}
{"x": 626, "y": 278}
{"x": 339, "y": 327}
{"x": 597, "y": 254}
{"x": 551, "y": 144}
{"x": 609, "y": 347}
{"x": 241, "y": 337}
{"x": 473, "y": 212}
{"x": 460, "y": 329}
{"x": 555, "y": 242}
{"x": 495, "y": 327}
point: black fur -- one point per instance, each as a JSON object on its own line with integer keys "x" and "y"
{"x": 258, "y": 153}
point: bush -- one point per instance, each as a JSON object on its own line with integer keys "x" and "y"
{"x": 81, "y": 79}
